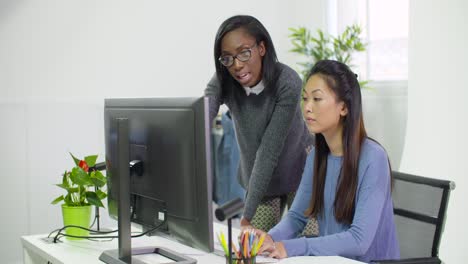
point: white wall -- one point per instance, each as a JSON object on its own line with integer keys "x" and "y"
{"x": 60, "y": 59}
{"x": 436, "y": 138}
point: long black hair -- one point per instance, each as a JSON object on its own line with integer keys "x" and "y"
{"x": 345, "y": 85}
{"x": 254, "y": 28}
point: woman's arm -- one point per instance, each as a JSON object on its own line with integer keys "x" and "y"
{"x": 266, "y": 160}
{"x": 295, "y": 220}
{"x": 372, "y": 194}
{"x": 213, "y": 92}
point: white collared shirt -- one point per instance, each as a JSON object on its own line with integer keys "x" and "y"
{"x": 257, "y": 89}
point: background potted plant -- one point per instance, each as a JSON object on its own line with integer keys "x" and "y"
{"x": 325, "y": 46}
{"x": 83, "y": 188}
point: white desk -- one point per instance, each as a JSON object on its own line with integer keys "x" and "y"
{"x": 36, "y": 250}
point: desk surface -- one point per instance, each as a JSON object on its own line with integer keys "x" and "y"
{"x": 85, "y": 251}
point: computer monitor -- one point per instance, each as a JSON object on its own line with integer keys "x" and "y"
{"x": 171, "y": 136}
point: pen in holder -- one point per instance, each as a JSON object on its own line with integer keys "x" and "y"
{"x": 241, "y": 260}
{"x": 228, "y": 211}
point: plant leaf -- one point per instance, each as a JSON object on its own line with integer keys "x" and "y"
{"x": 83, "y": 195}
{"x": 68, "y": 200}
{"x": 63, "y": 186}
{"x": 79, "y": 176}
{"x": 77, "y": 161}
{"x": 91, "y": 160}
{"x": 73, "y": 189}
{"x": 101, "y": 194}
{"x": 364, "y": 85}
{"x": 57, "y": 200}
{"x": 93, "y": 199}
{"x": 68, "y": 188}
{"x": 65, "y": 177}
{"x": 98, "y": 179}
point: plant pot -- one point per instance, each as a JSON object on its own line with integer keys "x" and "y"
{"x": 78, "y": 216}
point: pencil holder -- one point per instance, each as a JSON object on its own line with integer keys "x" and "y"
{"x": 236, "y": 260}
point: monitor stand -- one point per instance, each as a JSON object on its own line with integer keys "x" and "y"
{"x": 112, "y": 256}
{"x": 123, "y": 255}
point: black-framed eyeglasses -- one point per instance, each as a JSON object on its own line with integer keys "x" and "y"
{"x": 244, "y": 55}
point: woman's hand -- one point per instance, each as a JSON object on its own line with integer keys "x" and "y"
{"x": 268, "y": 243}
{"x": 278, "y": 251}
{"x": 275, "y": 249}
{"x": 245, "y": 224}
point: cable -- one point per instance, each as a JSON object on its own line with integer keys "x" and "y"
{"x": 60, "y": 234}
{"x": 84, "y": 228}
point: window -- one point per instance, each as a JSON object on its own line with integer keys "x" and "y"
{"x": 385, "y": 29}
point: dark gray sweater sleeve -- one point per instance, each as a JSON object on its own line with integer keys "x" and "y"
{"x": 213, "y": 92}
{"x": 266, "y": 160}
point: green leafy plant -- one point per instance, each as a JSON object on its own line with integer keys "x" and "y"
{"x": 325, "y": 46}
{"x": 82, "y": 185}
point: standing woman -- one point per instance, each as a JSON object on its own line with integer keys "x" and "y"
{"x": 346, "y": 183}
{"x": 263, "y": 97}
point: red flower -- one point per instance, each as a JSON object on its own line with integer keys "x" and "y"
{"x": 84, "y": 165}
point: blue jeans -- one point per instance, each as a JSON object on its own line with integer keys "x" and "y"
{"x": 226, "y": 163}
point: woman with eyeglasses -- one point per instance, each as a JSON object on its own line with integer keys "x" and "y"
{"x": 263, "y": 96}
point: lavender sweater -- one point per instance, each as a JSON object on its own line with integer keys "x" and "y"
{"x": 271, "y": 133}
{"x": 372, "y": 234}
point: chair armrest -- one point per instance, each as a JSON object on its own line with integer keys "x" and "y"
{"x": 429, "y": 260}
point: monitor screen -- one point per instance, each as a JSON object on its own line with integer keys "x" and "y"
{"x": 171, "y": 137}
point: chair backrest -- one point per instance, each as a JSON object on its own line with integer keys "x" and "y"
{"x": 420, "y": 205}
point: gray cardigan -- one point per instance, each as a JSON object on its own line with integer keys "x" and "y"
{"x": 271, "y": 134}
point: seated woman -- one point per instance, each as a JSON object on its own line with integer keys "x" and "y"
{"x": 346, "y": 182}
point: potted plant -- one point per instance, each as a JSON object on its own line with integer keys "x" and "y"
{"x": 83, "y": 189}
{"x": 325, "y": 46}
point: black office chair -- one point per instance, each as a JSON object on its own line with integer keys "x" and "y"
{"x": 420, "y": 205}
